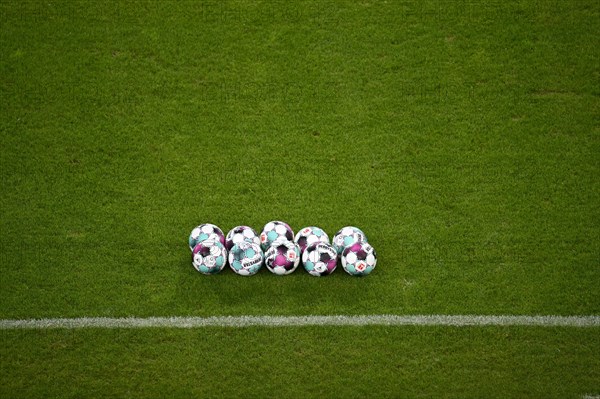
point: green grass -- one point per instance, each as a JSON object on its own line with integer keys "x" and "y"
{"x": 255, "y": 362}
{"x": 462, "y": 137}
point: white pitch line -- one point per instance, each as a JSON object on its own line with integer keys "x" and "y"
{"x": 300, "y": 321}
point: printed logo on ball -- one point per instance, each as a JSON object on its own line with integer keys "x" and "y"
{"x": 324, "y": 248}
{"x": 248, "y": 263}
{"x": 291, "y": 255}
{"x": 209, "y": 261}
{"x": 360, "y": 266}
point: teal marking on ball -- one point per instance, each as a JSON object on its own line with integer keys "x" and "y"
{"x": 204, "y": 269}
{"x": 309, "y": 266}
{"x": 272, "y": 235}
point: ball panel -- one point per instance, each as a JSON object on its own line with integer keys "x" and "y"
{"x": 350, "y": 268}
{"x": 359, "y": 259}
{"x": 370, "y": 259}
{"x": 203, "y": 269}
{"x": 272, "y": 235}
{"x": 350, "y": 258}
{"x": 282, "y": 257}
{"x": 236, "y": 264}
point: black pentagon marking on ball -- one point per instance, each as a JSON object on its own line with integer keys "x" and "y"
{"x": 204, "y": 250}
{"x": 324, "y": 257}
{"x": 302, "y": 241}
{"x": 282, "y": 249}
{"x": 289, "y": 266}
{"x": 362, "y": 254}
{"x": 289, "y": 235}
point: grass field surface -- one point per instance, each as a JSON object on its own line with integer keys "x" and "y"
{"x": 463, "y": 137}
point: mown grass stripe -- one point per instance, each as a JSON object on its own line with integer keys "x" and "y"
{"x": 298, "y": 321}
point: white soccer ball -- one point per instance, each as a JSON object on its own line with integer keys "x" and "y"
{"x": 273, "y": 231}
{"x": 310, "y": 235}
{"x": 319, "y": 259}
{"x": 246, "y": 258}
{"x": 205, "y": 232}
{"x": 209, "y": 257}
{"x": 282, "y": 257}
{"x": 239, "y": 234}
{"x": 347, "y": 236}
{"x": 359, "y": 259}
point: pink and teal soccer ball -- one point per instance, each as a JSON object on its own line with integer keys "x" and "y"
{"x": 310, "y": 235}
{"x": 347, "y": 236}
{"x": 209, "y": 257}
{"x": 205, "y": 232}
{"x": 282, "y": 257}
{"x": 319, "y": 259}
{"x": 275, "y": 230}
{"x": 246, "y": 258}
{"x": 359, "y": 259}
{"x": 239, "y": 234}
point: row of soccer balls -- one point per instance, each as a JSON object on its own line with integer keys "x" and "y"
{"x": 279, "y": 250}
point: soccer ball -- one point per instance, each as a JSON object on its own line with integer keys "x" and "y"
{"x": 282, "y": 257}
{"x": 359, "y": 259}
{"x": 347, "y": 236}
{"x": 239, "y": 234}
{"x": 203, "y": 232}
{"x": 209, "y": 257}
{"x": 273, "y": 231}
{"x": 246, "y": 258}
{"x": 310, "y": 235}
{"x": 319, "y": 259}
